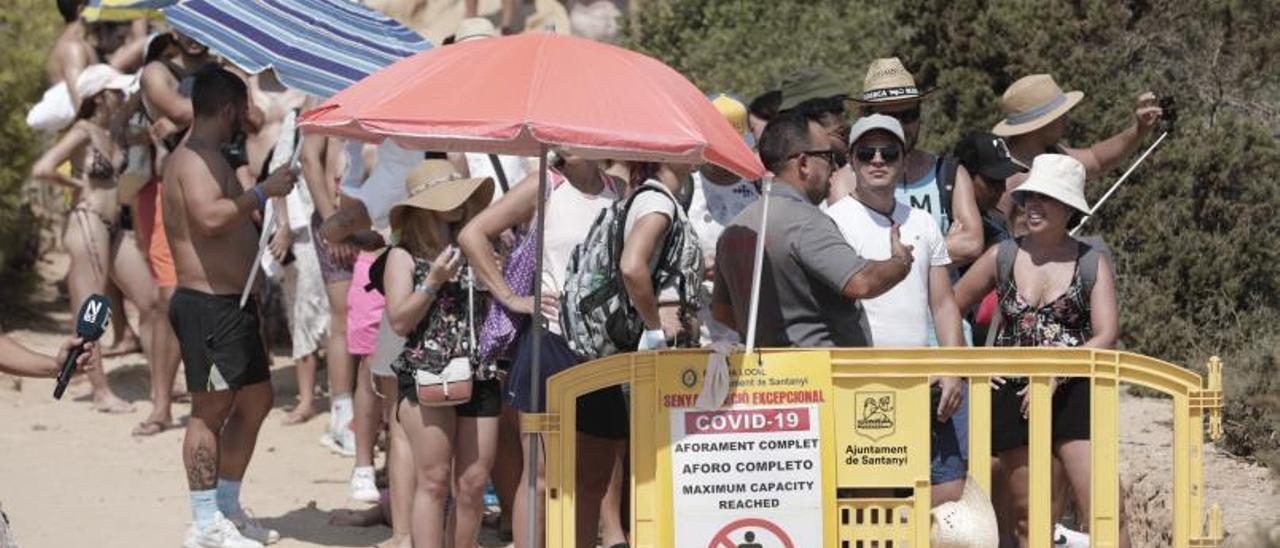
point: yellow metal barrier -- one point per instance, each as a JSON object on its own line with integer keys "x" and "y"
{"x": 863, "y": 416}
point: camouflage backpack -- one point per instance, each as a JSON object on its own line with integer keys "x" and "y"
{"x": 596, "y": 315}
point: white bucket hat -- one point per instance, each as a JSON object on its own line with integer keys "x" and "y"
{"x": 967, "y": 523}
{"x": 1057, "y": 176}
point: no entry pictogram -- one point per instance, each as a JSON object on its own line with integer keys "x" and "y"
{"x": 742, "y": 533}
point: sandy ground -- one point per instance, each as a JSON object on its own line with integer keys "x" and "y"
{"x": 70, "y": 477}
{"x": 74, "y": 478}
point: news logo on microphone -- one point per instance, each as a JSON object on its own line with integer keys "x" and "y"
{"x": 91, "y": 323}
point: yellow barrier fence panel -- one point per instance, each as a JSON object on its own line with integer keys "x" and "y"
{"x": 831, "y": 447}
{"x": 1104, "y": 438}
{"x": 645, "y": 518}
{"x": 980, "y": 431}
{"x": 1040, "y": 463}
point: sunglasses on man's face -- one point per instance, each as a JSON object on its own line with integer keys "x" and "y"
{"x": 904, "y": 117}
{"x": 867, "y": 153}
{"x": 830, "y": 155}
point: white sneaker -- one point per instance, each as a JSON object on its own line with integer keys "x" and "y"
{"x": 219, "y": 534}
{"x": 363, "y": 487}
{"x": 250, "y": 528}
{"x": 1066, "y": 538}
{"x": 344, "y": 444}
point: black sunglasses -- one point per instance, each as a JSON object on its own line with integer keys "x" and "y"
{"x": 867, "y": 153}
{"x": 904, "y": 117}
{"x": 829, "y": 155}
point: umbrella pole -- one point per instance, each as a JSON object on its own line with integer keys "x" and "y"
{"x": 758, "y": 268}
{"x": 535, "y": 366}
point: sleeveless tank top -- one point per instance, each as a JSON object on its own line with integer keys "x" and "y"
{"x": 924, "y": 194}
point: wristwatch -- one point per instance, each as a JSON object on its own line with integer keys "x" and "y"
{"x": 424, "y": 287}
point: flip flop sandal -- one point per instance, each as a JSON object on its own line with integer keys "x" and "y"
{"x": 146, "y": 429}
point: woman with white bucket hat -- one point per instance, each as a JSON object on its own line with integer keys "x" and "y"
{"x": 1054, "y": 290}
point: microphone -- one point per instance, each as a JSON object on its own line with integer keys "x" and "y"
{"x": 91, "y": 323}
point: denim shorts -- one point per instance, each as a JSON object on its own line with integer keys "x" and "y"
{"x": 949, "y": 443}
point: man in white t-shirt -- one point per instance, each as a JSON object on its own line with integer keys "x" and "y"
{"x": 901, "y": 316}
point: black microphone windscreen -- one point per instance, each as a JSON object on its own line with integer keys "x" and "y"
{"x": 91, "y": 323}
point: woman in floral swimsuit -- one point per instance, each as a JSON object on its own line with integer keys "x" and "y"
{"x": 1046, "y": 299}
{"x": 430, "y": 301}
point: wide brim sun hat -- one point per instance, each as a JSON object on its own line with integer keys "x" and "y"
{"x": 1033, "y": 102}
{"x": 435, "y": 186}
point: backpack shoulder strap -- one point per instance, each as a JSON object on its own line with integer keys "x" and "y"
{"x": 500, "y": 173}
{"x": 1091, "y": 250}
{"x": 1005, "y": 254}
{"x": 945, "y": 177}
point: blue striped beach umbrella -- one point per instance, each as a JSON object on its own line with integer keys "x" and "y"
{"x": 317, "y": 46}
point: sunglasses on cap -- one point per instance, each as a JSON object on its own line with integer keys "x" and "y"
{"x": 904, "y": 116}
{"x": 867, "y": 153}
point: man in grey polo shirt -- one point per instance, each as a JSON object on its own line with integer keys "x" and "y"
{"x": 811, "y": 276}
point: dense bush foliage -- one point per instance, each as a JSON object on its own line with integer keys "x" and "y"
{"x": 27, "y": 29}
{"x": 1195, "y": 227}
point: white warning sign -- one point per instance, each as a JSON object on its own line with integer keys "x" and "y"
{"x": 747, "y": 477}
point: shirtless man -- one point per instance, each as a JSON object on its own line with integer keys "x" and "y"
{"x": 167, "y": 103}
{"x": 207, "y": 219}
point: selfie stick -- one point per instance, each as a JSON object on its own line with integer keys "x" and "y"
{"x": 757, "y": 268}
{"x": 1113, "y": 188}
{"x": 268, "y": 220}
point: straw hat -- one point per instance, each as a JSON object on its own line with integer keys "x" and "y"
{"x": 967, "y": 523}
{"x": 888, "y": 82}
{"x": 1057, "y": 176}
{"x": 548, "y": 16}
{"x": 1031, "y": 103}
{"x": 474, "y": 28}
{"x": 435, "y": 186}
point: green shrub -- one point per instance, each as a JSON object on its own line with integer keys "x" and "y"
{"x": 27, "y": 30}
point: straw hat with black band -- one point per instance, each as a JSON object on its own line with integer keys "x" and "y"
{"x": 435, "y": 186}
{"x": 889, "y": 83}
{"x": 1033, "y": 102}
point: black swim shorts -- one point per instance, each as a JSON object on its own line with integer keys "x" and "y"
{"x": 221, "y": 343}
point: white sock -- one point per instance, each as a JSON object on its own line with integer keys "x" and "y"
{"x": 229, "y": 497}
{"x": 204, "y": 507}
{"x": 341, "y": 412}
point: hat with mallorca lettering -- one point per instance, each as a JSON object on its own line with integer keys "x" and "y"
{"x": 888, "y": 82}
{"x": 966, "y": 523}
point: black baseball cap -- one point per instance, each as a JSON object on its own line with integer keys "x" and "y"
{"x": 988, "y": 155}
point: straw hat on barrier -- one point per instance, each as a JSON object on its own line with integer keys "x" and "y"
{"x": 1031, "y": 103}
{"x": 966, "y": 523}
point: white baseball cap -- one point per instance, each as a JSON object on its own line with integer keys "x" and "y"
{"x": 98, "y": 78}
{"x": 873, "y": 122}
